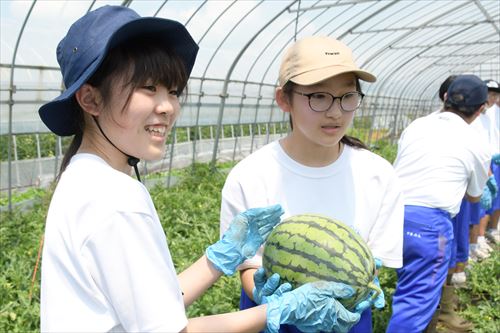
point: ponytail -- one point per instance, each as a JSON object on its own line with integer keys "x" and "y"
{"x": 77, "y": 138}
{"x": 353, "y": 142}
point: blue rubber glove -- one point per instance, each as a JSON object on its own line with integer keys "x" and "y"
{"x": 496, "y": 158}
{"x": 486, "y": 199}
{"x": 267, "y": 287}
{"x": 247, "y": 232}
{"x": 312, "y": 308}
{"x": 492, "y": 185}
{"x": 379, "y": 301}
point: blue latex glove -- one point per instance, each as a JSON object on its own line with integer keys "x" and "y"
{"x": 492, "y": 185}
{"x": 267, "y": 287}
{"x": 312, "y": 308}
{"x": 379, "y": 301}
{"x": 247, "y": 232}
{"x": 486, "y": 199}
{"x": 496, "y": 158}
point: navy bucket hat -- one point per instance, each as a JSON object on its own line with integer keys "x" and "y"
{"x": 467, "y": 91}
{"x": 88, "y": 41}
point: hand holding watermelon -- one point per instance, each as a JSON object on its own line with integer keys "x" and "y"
{"x": 496, "y": 158}
{"x": 374, "y": 298}
{"x": 245, "y": 235}
{"x": 312, "y": 307}
{"x": 486, "y": 199}
{"x": 492, "y": 185}
{"x": 266, "y": 287}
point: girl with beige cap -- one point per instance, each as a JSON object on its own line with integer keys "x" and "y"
{"x": 317, "y": 168}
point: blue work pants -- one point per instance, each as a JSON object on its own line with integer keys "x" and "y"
{"x": 428, "y": 236}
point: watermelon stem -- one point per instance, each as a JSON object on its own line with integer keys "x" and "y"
{"x": 373, "y": 286}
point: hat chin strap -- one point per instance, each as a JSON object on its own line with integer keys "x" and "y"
{"x": 131, "y": 160}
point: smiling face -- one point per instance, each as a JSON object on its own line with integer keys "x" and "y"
{"x": 319, "y": 130}
{"x": 141, "y": 126}
{"x": 134, "y": 98}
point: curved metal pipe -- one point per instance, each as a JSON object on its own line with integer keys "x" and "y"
{"x": 11, "y": 102}
{"x": 226, "y": 83}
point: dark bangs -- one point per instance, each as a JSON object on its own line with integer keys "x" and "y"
{"x": 155, "y": 63}
{"x": 140, "y": 61}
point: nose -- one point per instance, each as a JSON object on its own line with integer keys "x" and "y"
{"x": 335, "y": 111}
{"x": 167, "y": 104}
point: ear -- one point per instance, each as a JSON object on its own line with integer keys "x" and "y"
{"x": 282, "y": 100}
{"x": 89, "y": 99}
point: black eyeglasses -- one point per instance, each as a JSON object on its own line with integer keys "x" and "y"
{"x": 323, "y": 101}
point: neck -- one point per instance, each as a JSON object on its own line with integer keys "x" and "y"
{"x": 311, "y": 155}
{"x": 118, "y": 161}
{"x": 131, "y": 160}
{"x": 93, "y": 142}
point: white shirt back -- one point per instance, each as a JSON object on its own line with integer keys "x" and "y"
{"x": 440, "y": 158}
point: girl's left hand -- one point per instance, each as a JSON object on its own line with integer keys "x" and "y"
{"x": 247, "y": 232}
{"x": 379, "y": 301}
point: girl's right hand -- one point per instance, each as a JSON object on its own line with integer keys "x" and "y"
{"x": 267, "y": 287}
{"x": 312, "y": 307}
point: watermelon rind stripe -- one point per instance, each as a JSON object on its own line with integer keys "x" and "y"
{"x": 325, "y": 221}
{"x": 311, "y": 265}
{"x": 315, "y": 225}
{"x": 332, "y": 259}
{"x": 310, "y": 247}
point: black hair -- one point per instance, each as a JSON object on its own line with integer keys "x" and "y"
{"x": 138, "y": 61}
{"x": 346, "y": 139}
{"x": 445, "y": 85}
{"x": 464, "y": 111}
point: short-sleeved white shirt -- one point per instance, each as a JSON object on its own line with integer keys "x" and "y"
{"x": 360, "y": 189}
{"x": 440, "y": 158}
{"x": 485, "y": 127}
{"x": 106, "y": 264}
{"x": 493, "y": 114}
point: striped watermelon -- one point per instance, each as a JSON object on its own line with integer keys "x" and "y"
{"x": 309, "y": 247}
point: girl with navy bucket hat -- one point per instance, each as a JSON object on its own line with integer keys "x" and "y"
{"x": 106, "y": 264}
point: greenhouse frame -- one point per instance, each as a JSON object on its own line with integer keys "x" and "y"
{"x": 411, "y": 46}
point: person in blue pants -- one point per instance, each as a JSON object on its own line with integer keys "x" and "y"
{"x": 439, "y": 161}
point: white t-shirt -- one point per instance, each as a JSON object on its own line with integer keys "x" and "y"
{"x": 493, "y": 114}
{"x": 106, "y": 264}
{"x": 440, "y": 158}
{"x": 360, "y": 189}
{"x": 485, "y": 127}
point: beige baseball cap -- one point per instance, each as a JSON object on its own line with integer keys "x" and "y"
{"x": 316, "y": 58}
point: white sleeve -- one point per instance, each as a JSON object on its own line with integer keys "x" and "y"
{"x": 232, "y": 203}
{"x": 479, "y": 172}
{"x": 130, "y": 263}
{"x": 386, "y": 236}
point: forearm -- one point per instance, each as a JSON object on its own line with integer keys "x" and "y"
{"x": 197, "y": 278}
{"x": 250, "y": 320}
{"x": 247, "y": 281}
{"x": 472, "y": 199}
